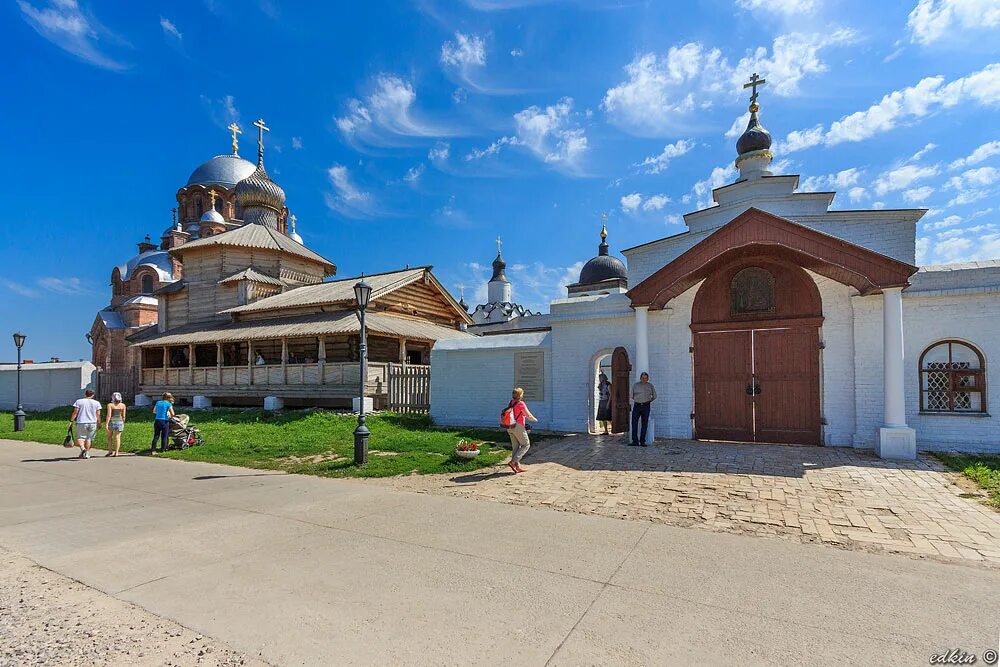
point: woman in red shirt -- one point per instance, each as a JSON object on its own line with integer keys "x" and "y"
{"x": 519, "y": 442}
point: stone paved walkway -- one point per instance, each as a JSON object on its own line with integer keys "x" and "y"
{"x": 842, "y": 497}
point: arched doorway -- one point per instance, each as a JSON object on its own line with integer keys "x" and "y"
{"x": 755, "y": 324}
{"x": 620, "y": 371}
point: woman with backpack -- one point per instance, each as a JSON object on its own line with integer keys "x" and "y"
{"x": 517, "y": 429}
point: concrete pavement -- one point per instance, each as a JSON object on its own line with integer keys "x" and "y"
{"x": 302, "y": 570}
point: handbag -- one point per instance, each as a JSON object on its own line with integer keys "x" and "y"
{"x": 68, "y": 440}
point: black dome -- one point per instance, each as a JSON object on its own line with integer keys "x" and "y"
{"x": 600, "y": 268}
{"x": 755, "y": 138}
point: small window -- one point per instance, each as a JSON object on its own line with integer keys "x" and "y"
{"x": 147, "y": 284}
{"x": 952, "y": 378}
{"x": 752, "y": 291}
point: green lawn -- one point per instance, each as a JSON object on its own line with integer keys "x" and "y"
{"x": 314, "y": 442}
{"x": 983, "y": 469}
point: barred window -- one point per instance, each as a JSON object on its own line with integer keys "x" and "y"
{"x": 952, "y": 378}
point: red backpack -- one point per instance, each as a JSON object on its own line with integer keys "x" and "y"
{"x": 507, "y": 419}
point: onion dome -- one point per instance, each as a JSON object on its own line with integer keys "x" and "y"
{"x": 462, "y": 302}
{"x": 499, "y": 270}
{"x": 260, "y": 198}
{"x": 755, "y": 138}
{"x": 225, "y": 170}
{"x": 212, "y": 216}
{"x": 604, "y": 266}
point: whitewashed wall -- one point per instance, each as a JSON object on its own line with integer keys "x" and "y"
{"x": 471, "y": 379}
{"x": 837, "y": 362}
{"x": 45, "y": 386}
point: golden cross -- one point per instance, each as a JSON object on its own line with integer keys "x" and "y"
{"x": 211, "y": 197}
{"x": 604, "y": 225}
{"x": 261, "y": 129}
{"x": 235, "y": 129}
{"x": 753, "y": 83}
{"x": 292, "y": 219}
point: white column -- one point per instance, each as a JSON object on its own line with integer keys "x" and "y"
{"x": 895, "y": 439}
{"x": 642, "y": 358}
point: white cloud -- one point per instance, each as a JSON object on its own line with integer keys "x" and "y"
{"x": 516, "y": 53}
{"x": 413, "y": 174}
{"x": 440, "y": 151}
{"x": 66, "y": 26}
{"x": 878, "y": 205}
{"x": 460, "y": 96}
{"x": 492, "y": 149}
{"x": 932, "y": 20}
{"x": 169, "y": 28}
{"x": 673, "y": 219}
{"x": 739, "y": 126}
{"x": 922, "y": 246}
{"x": 17, "y": 288}
{"x": 910, "y": 104}
{"x": 785, "y": 7}
{"x": 981, "y": 154}
{"x": 856, "y": 194}
{"x": 62, "y": 285}
{"x": 922, "y": 152}
{"x": 465, "y": 51}
{"x": 660, "y": 93}
{"x": 655, "y": 203}
{"x": 974, "y": 178}
{"x": 386, "y": 114}
{"x": 630, "y": 203}
{"x": 658, "y": 163}
{"x": 703, "y": 189}
{"x": 917, "y": 195}
{"x": 297, "y": 143}
{"x": 223, "y": 110}
{"x": 346, "y": 197}
{"x": 901, "y": 178}
{"x": 551, "y": 134}
{"x": 950, "y": 221}
{"x": 841, "y": 180}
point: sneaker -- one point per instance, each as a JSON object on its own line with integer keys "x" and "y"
{"x": 86, "y": 454}
{"x": 83, "y": 454}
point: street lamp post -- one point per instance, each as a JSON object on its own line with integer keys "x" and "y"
{"x": 362, "y": 292}
{"x": 19, "y": 413}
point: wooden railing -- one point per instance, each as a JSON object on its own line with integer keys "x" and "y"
{"x": 344, "y": 375}
{"x": 409, "y": 388}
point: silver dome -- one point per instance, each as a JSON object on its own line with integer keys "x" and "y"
{"x": 227, "y": 170}
{"x": 211, "y": 215}
{"x": 157, "y": 259}
{"x": 295, "y": 237}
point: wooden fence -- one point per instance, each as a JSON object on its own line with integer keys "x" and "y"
{"x": 124, "y": 381}
{"x": 409, "y": 388}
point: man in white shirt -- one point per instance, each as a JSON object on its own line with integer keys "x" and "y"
{"x": 87, "y": 415}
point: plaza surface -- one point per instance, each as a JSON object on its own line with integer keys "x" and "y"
{"x": 844, "y": 497}
{"x": 303, "y": 570}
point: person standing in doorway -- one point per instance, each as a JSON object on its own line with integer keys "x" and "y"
{"x": 114, "y": 423}
{"x": 519, "y": 442}
{"x": 604, "y": 404}
{"x": 643, "y": 394}
{"x": 87, "y": 415}
{"x": 162, "y": 412}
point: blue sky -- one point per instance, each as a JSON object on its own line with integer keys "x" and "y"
{"x": 416, "y": 131}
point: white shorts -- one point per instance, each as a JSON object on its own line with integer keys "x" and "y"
{"x": 86, "y": 432}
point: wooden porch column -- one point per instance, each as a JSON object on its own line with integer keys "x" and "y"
{"x": 322, "y": 359}
{"x": 284, "y": 361}
{"x": 218, "y": 363}
{"x": 402, "y": 350}
{"x": 250, "y": 360}
{"x": 191, "y": 357}
{"x": 166, "y": 361}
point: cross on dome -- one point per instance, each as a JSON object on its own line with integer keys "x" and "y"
{"x": 753, "y": 83}
{"x": 235, "y": 129}
{"x": 261, "y": 129}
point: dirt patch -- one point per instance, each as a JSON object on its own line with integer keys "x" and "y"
{"x": 313, "y": 458}
{"x": 48, "y": 619}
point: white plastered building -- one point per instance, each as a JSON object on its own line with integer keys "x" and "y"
{"x": 772, "y": 319}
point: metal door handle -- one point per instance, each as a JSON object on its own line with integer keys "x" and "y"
{"x": 756, "y": 389}
{"x": 750, "y": 389}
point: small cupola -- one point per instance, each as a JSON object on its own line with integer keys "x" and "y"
{"x": 603, "y": 273}
{"x": 753, "y": 148}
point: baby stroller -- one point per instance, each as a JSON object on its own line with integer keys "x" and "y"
{"x": 182, "y": 434}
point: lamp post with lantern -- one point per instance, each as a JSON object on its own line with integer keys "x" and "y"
{"x": 362, "y": 293}
{"x": 19, "y": 416}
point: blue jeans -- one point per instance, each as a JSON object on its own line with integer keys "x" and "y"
{"x": 640, "y": 411}
{"x": 161, "y": 431}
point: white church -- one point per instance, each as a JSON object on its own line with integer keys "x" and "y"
{"x": 772, "y": 319}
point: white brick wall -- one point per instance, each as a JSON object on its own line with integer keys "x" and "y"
{"x": 837, "y": 362}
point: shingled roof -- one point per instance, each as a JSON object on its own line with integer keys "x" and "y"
{"x": 257, "y": 236}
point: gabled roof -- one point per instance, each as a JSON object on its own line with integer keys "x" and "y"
{"x": 257, "y": 236}
{"x": 253, "y": 276}
{"x": 342, "y": 292}
{"x": 755, "y": 232}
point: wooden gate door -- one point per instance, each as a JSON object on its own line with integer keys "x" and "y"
{"x": 723, "y": 409}
{"x": 620, "y": 371}
{"x": 786, "y": 372}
